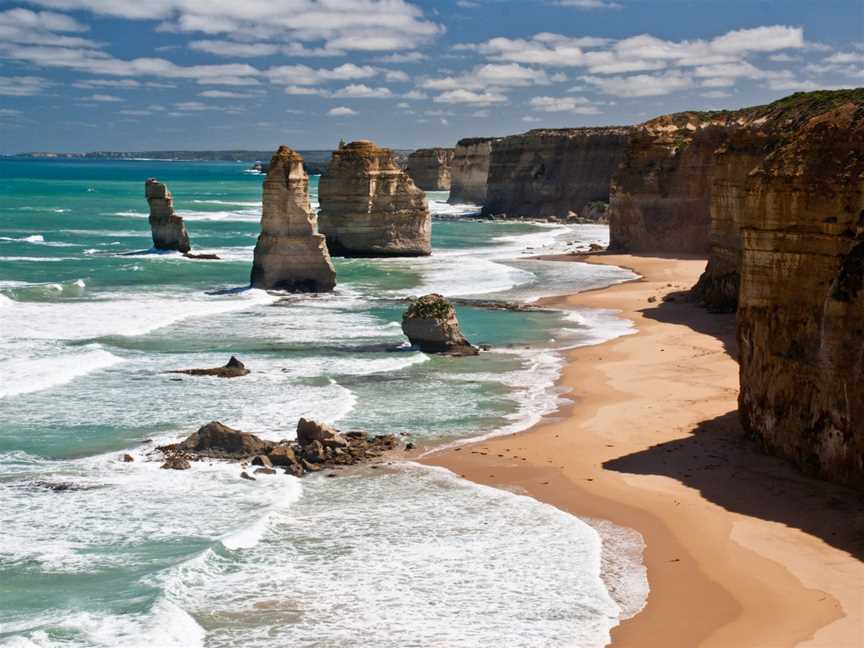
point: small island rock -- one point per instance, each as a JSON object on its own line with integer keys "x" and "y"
{"x": 430, "y": 324}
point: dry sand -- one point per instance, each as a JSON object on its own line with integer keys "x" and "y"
{"x": 742, "y": 551}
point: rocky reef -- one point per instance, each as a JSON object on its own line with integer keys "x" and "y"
{"x": 167, "y": 228}
{"x": 316, "y": 446}
{"x": 800, "y": 221}
{"x": 370, "y": 206}
{"x": 553, "y": 173}
{"x": 232, "y": 369}
{"x": 290, "y": 254}
{"x": 469, "y": 170}
{"x": 430, "y": 324}
{"x": 429, "y": 168}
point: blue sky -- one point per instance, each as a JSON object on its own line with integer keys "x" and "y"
{"x": 81, "y": 75}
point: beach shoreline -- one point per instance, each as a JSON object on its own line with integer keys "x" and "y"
{"x": 741, "y": 550}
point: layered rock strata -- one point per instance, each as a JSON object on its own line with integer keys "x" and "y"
{"x": 553, "y": 173}
{"x": 800, "y": 218}
{"x": 290, "y": 254}
{"x": 167, "y": 228}
{"x": 370, "y": 206}
{"x": 430, "y": 168}
{"x": 430, "y": 324}
{"x": 469, "y": 170}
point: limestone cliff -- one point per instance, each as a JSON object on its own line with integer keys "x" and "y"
{"x": 370, "y": 206}
{"x": 430, "y": 168}
{"x": 553, "y": 172}
{"x": 800, "y": 214}
{"x": 469, "y": 170}
{"x": 290, "y": 253}
{"x": 167, "y": 228}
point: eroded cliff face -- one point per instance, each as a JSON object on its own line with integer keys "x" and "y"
{"x": 290, "y": 254}
{"x": 552, "y": 173}
{"x": 801, "y": 307}
{"x": 370, "y": 206}
{"x": 430, "y": 168}
{"x": 469, "y": 170}
{"x": 167, "y": 228}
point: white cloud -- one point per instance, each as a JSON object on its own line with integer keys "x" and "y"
{"x": 470, "y": 97}
{"x": 259, "y": 49}
{"x": 26, "y": 27}
{"x": 397, "y": 76}
{"x": 415, "y": 95}
{"x": 107, "y": 83}
{"x": 362, "y": 91}
{"x": 578, "y": 105}
{"x": 590, "y": 4}
{"x": 402, "y": 57}
{"x": 226, "y": 94}
{"x": 530, "y": 118}
{"x": 303, "y": 91}
{"x": 304, "y": 75}
{"x": 716, "y": 94}
{"x": 22, "y": 86}
{"x": 341, "y": 111}
{"x": 641, "y": 85}
{"x": 105, "y": 98}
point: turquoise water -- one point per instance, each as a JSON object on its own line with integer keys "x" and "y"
{"x": 91, "y": 318}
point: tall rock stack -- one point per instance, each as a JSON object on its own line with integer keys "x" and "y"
{"x": 469, "y": 170}
{"x": 801, "y": 302}
{"x": 553, "y": 173}
{"x": 290, "y": 253}
{"x": 370, "y": 207}
{"x": 167, "y": 228}
{"x": 429, "y": 168}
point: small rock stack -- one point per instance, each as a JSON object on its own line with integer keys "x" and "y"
{"x": 430, "y": 324}
{"x": 370, "y": 207}
{"x": 290, "y": 253}
{"x": 168, "y": 229}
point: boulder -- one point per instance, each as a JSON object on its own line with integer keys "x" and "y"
{"x": 218, "y": 441}
{"x": 430, "y": 324}
{"x": 262, "y": 460}
{"x": 370, "y": 207}
{"x": 167, "y": 228}
{"x": 309, "y": 431}
{"x": 176, "y": 463}
{"x": 290, "y": 254}
{"x": 233, "y": 369}
{"x": 282, "y": 456}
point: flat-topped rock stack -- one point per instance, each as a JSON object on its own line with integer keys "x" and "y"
{"x": 167, "y": 228}
{"x": 553, "y": 173}
{"x": 430, "y": 324}
{"x": 469, "y": 170}
{"x": 429, "y": 168}
{"x": 371, "y": 207}
{"x": 290, "y": 253}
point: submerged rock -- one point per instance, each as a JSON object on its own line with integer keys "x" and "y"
{"x": 233, "y": 369}
{"x": 290, "y": 253}
{"x": 429, "y": 168}
{"x": 430, "y": 324}
{"x": 167, "y": 228}
{"x": 176, "y": 463}
{"x": 371, "y": 207}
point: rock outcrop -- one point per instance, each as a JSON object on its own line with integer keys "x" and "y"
{"x": 233, "y": 369}
{"x": 429, "y": 168}
{"x": 370, "y": 207}
{"x": 167, "y": 228}
{"x": 800, "y": 220}
{"x": 469, "y": 170}
{"x": 553, "y": 173}
{"x": 290, "y": 253}
{"x": 430, "y": 324}
{"x": 317, "y": 446}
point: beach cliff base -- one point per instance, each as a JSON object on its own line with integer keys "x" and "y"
{"x": 741, "y": 549}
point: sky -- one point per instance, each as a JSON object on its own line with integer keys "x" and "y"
{"x": 136, "y": 75}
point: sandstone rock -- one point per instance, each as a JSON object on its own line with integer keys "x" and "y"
{"x": 430, "y": 324}
{"x": 801, "y": 303}
{"x": 309, "y": 431}
{"x": 219, "y": 441}
{"x": 176, "y": 463}
{"x": 469, "y": 170}
{"x": 127, "y": 458}
{"x": 282, "y": 456}
{"x": 370, "y": 206}
{"x": 290, "y": 253}
{"x": 262, "y": 460}
{"x": 430, "y": 168}
{"x": 233, "y": 369}
{"x": 167, "y": 228}
{"x": 550, "y": 173}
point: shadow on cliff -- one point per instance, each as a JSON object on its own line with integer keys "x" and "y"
{"x": 729, "y": 469}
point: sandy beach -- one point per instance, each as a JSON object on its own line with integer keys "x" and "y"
{"x": 742, "y": 550}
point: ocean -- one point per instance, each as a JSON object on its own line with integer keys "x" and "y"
{"x": 128, "y": 555}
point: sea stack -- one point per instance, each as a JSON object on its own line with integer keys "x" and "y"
{"x": 469, "y": 170}
{"x": 429, "y": 168}
{"x": 370, "y": 207}
{"x": 168, "y": 229}
{"x": 430, "y": 324}
{"x": 290, "y": 253}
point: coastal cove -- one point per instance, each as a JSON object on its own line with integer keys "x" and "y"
{"x": 92, "y": 322}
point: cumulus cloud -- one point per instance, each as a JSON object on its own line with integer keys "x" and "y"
{"x": 590, "y": 4}
{"x": 362, "y": 91}
{"x": 341, "y": 111}
{"x": 102, "y": 98}
{"x": 26, "y": 27}
{"x": 470, "y": 97}
{"x": 235, "y": 49}
{"x": 641, "y": 85}
{"x": 227, "y": 94}
{"x": 304, "y": 75}
{"x": 577, "y": 105}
